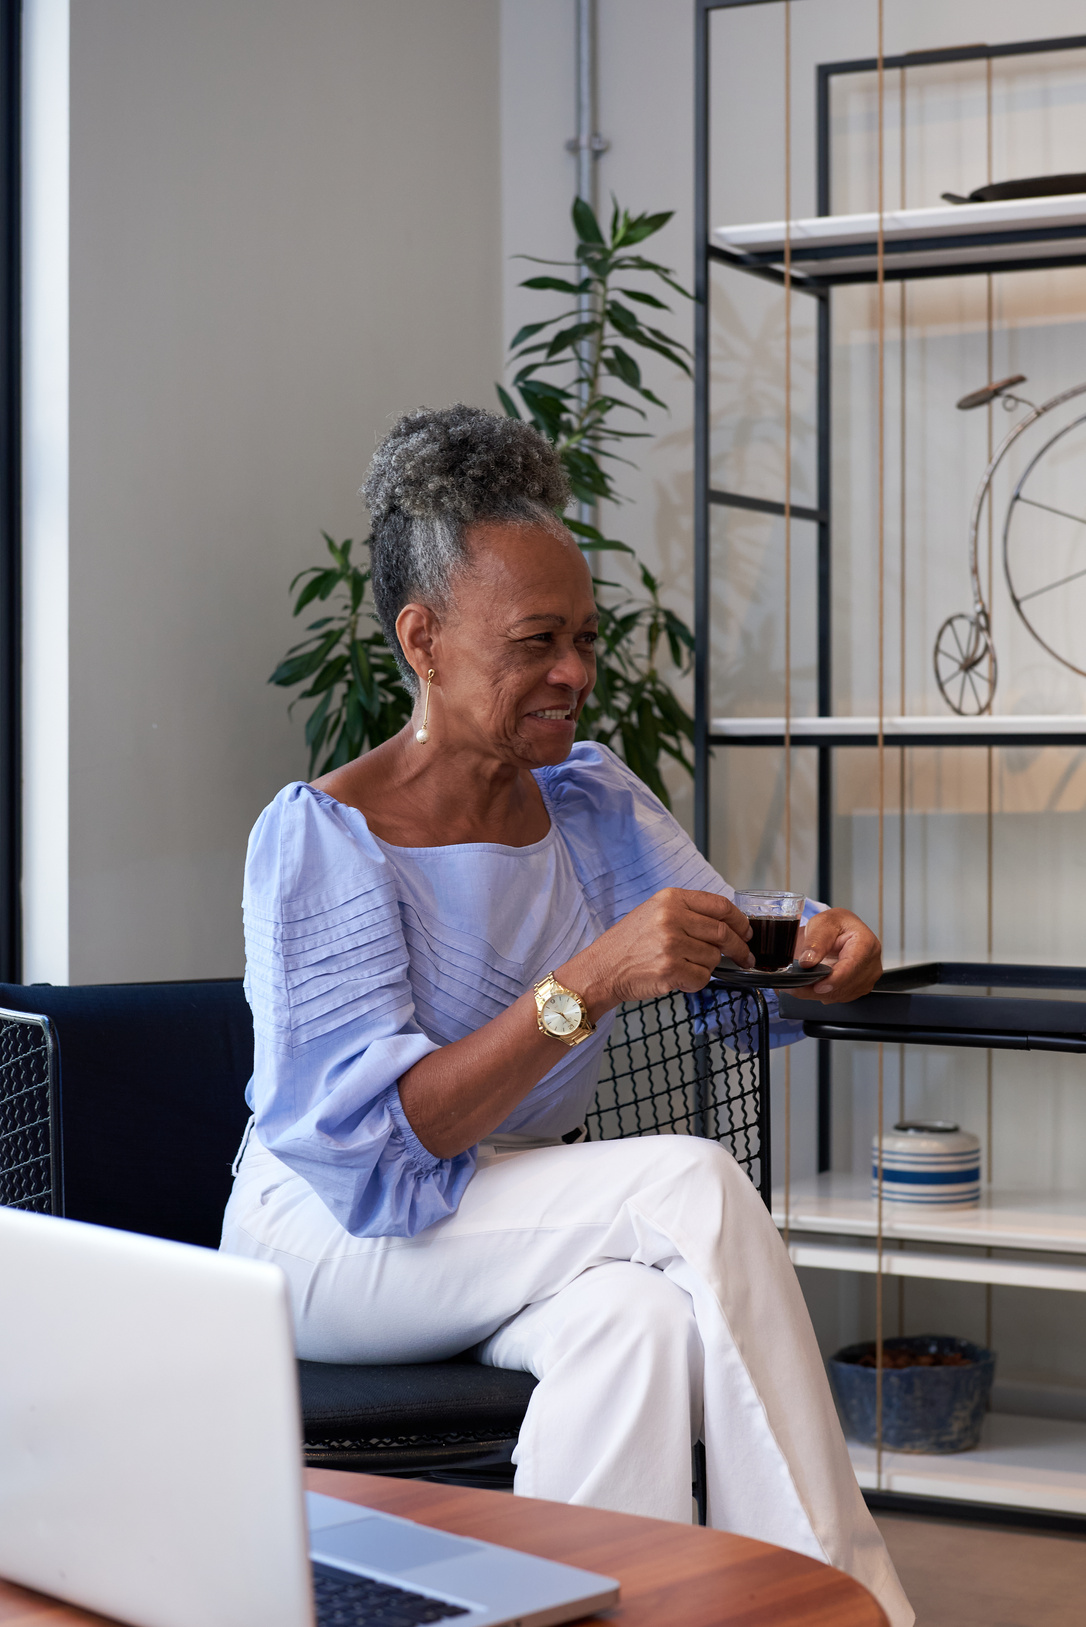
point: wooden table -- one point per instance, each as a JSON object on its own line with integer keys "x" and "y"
{"x": 668, "y": 1572}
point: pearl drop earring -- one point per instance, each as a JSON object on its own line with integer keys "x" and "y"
{"x": 423, "y": 734}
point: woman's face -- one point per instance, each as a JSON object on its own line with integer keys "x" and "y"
{"x": 513, "y": 653}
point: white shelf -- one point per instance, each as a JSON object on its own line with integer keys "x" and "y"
{"x": 1041, "y": 1222}
{"x": 939, "y": 1267}
{"x": 918, "y": 238}
{"x": 1020, "y": 1462}
{"x": 946, "y": 726}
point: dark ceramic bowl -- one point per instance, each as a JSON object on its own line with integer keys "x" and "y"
{"x": 924, "y": 1409}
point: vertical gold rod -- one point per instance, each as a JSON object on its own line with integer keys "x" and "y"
{"x": 902, "y": 316}
{"x": 989, "y": 822}
{"x": 881, "y": 427}
{"x": 902, "y": 319}
{"x": 787, "y": 569}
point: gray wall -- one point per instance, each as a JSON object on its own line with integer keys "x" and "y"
{"x": 285, "y": 229}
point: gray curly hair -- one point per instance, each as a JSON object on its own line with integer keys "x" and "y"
{"x": 436, "y": 473}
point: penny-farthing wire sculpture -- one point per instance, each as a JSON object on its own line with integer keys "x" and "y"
{"x": 1044, "y": 545}
{"x": 1044, "y": 554}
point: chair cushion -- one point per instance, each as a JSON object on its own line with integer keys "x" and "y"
{"x": 432, "y": 1399}
{"x": 152, "y": 1105}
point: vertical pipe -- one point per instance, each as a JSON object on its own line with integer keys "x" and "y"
{"x": 587, "y": 146}
{"x": 701, "y": 427}
{"x": 787, "y": 570}
{"x": 880, "y": 287}
{"x": 825, "y": 600}
{"x": 989, "y": 823}
{"x": 586, "y": 100}
{"x": 10, "y": 490}
{"x": 902, "y": 624}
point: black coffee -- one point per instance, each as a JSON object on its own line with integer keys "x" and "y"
{"x": 772, "y": 941}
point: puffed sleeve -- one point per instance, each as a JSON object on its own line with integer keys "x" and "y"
{"x": 627, "y": 846}
{"x": 334, "y": 1022}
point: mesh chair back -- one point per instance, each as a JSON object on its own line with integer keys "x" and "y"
{"x": 690, "y": 1065}
{"x": 30, "y": 1167}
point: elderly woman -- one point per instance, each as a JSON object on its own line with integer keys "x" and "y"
{"x": 437, "y": 937}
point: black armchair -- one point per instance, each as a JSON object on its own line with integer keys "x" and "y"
{"x": 122, "y": 1104}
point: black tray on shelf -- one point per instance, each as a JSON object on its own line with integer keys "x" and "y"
{"x": 921, "y": 1004}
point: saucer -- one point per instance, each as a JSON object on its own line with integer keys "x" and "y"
{"x": 729, "y": 975}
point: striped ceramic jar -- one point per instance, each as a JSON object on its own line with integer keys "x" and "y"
{"x": 928, "y": 1164}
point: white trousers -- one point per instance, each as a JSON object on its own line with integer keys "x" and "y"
{"x": 644, "y": 1284}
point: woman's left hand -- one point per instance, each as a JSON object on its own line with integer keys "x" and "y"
{"x": 839, "y": 935}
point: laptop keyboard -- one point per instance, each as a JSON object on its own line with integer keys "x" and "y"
{"x": 345, "y": 1600}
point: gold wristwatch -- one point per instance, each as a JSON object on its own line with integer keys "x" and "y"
{"x": 561, "y": 1013}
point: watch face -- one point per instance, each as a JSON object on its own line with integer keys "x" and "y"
{"x": 561, "y": 1014}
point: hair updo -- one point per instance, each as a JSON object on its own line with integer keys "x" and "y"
{"x": 436, "y": 473}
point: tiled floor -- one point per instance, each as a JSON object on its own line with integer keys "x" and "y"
{"x": 959, "y": 1575}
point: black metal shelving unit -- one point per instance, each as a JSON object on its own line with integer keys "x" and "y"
{"x": 1009, "y": 250}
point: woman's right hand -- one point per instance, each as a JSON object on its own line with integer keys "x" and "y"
{"x": 671, "y": 942}
{"x": 463, "y": 1090}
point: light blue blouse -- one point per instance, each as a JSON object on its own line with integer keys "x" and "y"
{"x": 361, "y": 958}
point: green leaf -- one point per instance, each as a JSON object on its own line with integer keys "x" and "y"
{"x": 625, "y": 321}
{"x": 538, "y": 260}
{"x": 631, "y": 329}
{"x": 531, "y": 328}
{"x": 644, "y": 299}
{"x": 568, "y": 338}
{"x": 644, "y": 226}
{"x": 647, "y": 395}
{"x": 340, "y": 552}
{"x": 679, "y": 628}
{"x": 665, "y": 339}
{"x": 330, "y": 674}
{"x": 634, "y": 262}
{"x": 311, "y": 570}
{"x": 594, "y": 540}
{"x": 543, "y": 387}
{"x": 620, "y": 363}
{"x": 296, "y": 669}
{"x": 293, "y": 671}
{"x": 585, "y": 223}
{"x": 315, "y": 723}
{"x": 510, "y": 406}
{"x": 559, "y": 286}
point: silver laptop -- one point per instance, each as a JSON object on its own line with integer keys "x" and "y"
{"x": 150, "y": 1456}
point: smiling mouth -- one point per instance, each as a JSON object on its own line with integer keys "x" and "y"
{"x": 556, "y": 714}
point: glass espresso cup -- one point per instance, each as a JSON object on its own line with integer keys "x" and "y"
{"x": 774, "y": 921}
